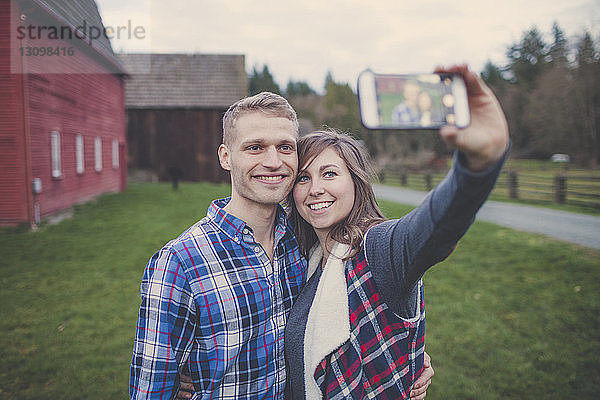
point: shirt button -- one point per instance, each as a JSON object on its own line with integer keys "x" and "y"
{"x": 236, "y": 239}
{"x": 257, "y": 249}
{"x": 245, "y": 231}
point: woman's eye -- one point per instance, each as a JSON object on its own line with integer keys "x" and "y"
{"x": 329, "y": 174}
{"x": 303, "y": 178}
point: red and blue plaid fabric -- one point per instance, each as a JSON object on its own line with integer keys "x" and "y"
{"x": 214, "y": 307}
{"x": 384, "y": 355}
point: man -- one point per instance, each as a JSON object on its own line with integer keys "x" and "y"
{"x": 215, "y": 300}
{"x": 408, "y": 112}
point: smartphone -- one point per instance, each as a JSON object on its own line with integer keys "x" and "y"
{"x": 415, "y": 101}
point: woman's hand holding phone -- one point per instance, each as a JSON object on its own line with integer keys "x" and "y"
{"x": 486, "y": 139}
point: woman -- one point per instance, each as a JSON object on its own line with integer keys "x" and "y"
{"x": 425, "y": 108}
{"x": 357, "y": 328}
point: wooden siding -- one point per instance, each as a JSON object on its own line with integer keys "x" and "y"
{"x": 90, "y": 104}
{"x": 186, "y": 139}
{"x": 13, "y": 174}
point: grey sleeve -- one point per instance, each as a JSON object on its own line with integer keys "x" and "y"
{"x": 400, "y": 251}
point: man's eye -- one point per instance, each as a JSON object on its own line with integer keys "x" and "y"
{"x": 287, "y": 147}
{"x": 254, "y": 148}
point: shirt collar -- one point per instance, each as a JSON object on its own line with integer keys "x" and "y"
{"x": 237, "y": 228}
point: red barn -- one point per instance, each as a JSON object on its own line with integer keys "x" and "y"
{"x": 62, "y": 120}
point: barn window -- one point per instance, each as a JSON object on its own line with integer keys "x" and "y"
{"x": 98, "y": 154}
{"x": 79, "y": 154}
{"x": 115, "y": 154}
{"x": 55, "y": 149}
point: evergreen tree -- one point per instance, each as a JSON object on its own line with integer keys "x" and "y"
{"x": 299, "y": 88}
{"x": 558, "y": 50}
{"x": 588, "y": 95}
{"x": 549, "y": 110}
{"x": 526, "y": 58}
{"x": 341, "y": 104}
{"x": 526, "y": 63}
{"x": 494, "y": 77}
{"x": 262, "y": 81}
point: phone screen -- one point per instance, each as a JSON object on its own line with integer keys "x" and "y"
{"x": 423, "y": 101}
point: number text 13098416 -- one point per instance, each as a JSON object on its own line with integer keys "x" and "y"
{"x": 48, "y": 51}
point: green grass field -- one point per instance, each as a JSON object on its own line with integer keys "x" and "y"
{"x": 509, "y": 314}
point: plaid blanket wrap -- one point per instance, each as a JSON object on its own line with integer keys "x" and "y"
{"x": 384, "y": 355}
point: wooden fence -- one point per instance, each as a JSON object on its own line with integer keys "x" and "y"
{"x": 575, "y": 189}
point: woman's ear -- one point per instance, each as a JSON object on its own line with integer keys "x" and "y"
{"x": 224, "y": 155}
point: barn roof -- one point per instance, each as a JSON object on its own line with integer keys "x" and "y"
{"x": 77, "y": 13}
{"x": 184, "y": 80}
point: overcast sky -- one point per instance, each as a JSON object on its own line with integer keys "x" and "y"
{"x": 304, "y": 39}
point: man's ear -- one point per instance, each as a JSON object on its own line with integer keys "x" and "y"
{"x": 224, "y": 157}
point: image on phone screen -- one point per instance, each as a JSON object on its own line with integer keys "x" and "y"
{"x": 423, "y": 101}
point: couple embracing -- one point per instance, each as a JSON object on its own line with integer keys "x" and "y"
{"x": 323, "y": 298}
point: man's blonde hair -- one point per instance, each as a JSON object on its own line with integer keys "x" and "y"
{"x": 268, "y": 103}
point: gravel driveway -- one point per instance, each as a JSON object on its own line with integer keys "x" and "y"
{"x": 569, "y": 227}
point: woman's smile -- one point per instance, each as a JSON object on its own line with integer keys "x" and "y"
{"x": 320, "y": 206}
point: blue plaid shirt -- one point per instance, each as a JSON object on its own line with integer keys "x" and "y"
{"x": 214, "y": 307}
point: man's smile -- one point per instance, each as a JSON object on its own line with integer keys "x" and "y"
{"x": 270, "y": 178}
